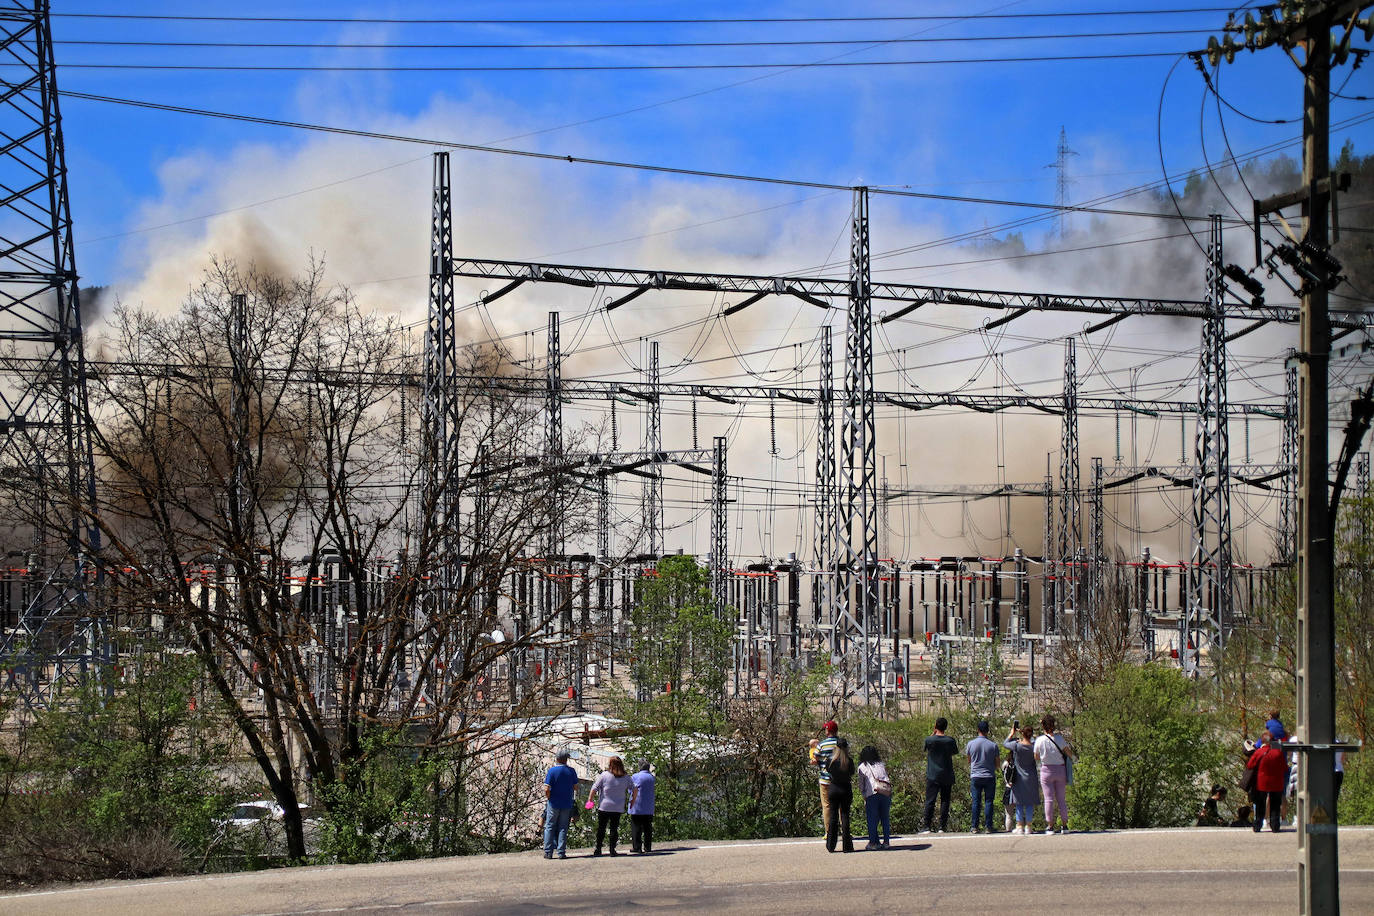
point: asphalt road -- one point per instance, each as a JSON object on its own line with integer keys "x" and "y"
{"x": 1157, "y": 871}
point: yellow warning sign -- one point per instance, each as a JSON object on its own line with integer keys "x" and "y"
{"x": 1319, "y": 815}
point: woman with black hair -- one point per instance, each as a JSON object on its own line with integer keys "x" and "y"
{"x": 877, "y": 791}
{"x": 841, "y": 792}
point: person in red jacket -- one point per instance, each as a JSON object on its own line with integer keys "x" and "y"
{"x": 1268, "y": 760}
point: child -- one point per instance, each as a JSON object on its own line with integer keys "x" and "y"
{"x": 1209, "y": 816}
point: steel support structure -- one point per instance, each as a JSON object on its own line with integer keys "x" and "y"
{"x": 720, "y": 530}
{"x": 1097, "y": 556}
{"x": 47, "y": 476}
{"x": 597, "y": 389}
{"x": 859, "y": 514}
{"x": 823, "y": 592}
{"x": 1061, "y": 184}
{"x": 653, "y": 486}
{"x": 824, "y": 291}
{"x": 1049, "y": 618}
{"x": 1070, "y": 530}
{"x": 1286, "y": 538}
{"x": 553, "y": 434}
{"x": 1207, "y": 615}
{"x": 442, "y": 408}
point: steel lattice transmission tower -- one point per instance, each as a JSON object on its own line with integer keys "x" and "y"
{"x": 859, "y": 438}
{"x": 1209, "y": 579}
{"x": 1062, "y": 182}
{"x": 47, "y": 474}
{"x": 1070, "y": 529}
{"x": 442, "y": 409}
{"x": 720, "y": 529}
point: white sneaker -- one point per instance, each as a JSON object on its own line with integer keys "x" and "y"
{"x": 1049, "y": 831}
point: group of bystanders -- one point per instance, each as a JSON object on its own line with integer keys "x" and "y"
{"x": 619, "y": 793}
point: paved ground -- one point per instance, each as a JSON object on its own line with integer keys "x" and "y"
{"x": 1157, "y": 871}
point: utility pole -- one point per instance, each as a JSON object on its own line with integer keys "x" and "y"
{"x": 1318, "y": 869}
{"x": 1309, "y": 25}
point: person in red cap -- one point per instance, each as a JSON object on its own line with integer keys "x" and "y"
{"x": 821, "y": 752}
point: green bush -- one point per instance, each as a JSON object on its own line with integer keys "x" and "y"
{"x": 118, "y": 778}
{"x": 1357, "y": 792}
{"x": 1147, "y": 754}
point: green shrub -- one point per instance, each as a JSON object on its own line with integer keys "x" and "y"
{"x": 120, "y": 777}
{"x": 1357, "y": 792}
{"x": 1146, "y": 753}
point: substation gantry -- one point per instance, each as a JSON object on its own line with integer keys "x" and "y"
{"x": 845, "y": 558}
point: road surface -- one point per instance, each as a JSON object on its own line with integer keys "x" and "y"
{"x": 1155, "y": 871}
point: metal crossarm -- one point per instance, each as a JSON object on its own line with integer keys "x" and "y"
{"x": 820, "y": 289}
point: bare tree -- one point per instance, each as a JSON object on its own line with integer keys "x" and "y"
{"x": 266, "y": 495}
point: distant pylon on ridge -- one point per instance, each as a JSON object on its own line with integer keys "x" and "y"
{"x": 1062, "y": 182}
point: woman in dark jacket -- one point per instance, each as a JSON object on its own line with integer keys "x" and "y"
{"x": 1271, "y": 776}
{"x": 841, "y": 789}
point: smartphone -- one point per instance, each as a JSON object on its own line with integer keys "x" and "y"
{"x": 1015, "y": 723}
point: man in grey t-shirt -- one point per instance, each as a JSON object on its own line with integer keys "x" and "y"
{"x": 982, "y": 772}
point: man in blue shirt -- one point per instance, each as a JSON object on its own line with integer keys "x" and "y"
{"x": 642, "y": 809}
{"x": 982, "y": 775}
{"x": 560, "y": 784}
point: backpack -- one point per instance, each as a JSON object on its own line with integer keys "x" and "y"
{"x": 880, "y": 786}
{"x": 1009, "y": 773}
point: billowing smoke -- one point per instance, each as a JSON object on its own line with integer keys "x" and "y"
{"x": 367, "y": 216}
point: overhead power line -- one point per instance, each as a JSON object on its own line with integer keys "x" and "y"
{"x": 617, "y": 45}
{"x": 613, "y": 163}
{"x": 608, "y": 68}
{"x": 396, "y": 20}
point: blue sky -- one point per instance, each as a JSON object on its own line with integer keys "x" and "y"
{"x": 156, "y": 194}
{"x": 978, "y": 129}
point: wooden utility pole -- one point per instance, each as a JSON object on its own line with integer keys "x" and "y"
{"x": 1300, "y": 23}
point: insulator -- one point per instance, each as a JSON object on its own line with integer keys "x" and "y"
{"x": 615, "y": 436}
{"x": 772, "y": 429}
{"x": 694, "y": 422}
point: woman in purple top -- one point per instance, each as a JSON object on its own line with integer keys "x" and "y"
{"x": 1053, "y": 753}
{"x": 612, "y": 785}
